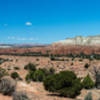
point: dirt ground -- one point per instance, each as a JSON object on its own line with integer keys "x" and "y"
{"x": 36, "y": 90}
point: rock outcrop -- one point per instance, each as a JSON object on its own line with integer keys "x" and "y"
{"x": 79, "y": 40}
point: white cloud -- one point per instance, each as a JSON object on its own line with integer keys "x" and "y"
{"x": 11, "y": 37}
{"x": 28, "y": 24}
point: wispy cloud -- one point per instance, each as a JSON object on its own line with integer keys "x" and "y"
{"x": 22, "y": 38}
{"x": 5, "y": 24}
{"x": 28, "y": 24}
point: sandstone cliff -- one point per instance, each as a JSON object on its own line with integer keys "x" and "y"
{"x": 79, "y": 40}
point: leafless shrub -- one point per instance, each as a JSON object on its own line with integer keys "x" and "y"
{"x": 20, "y": 96}
{"x": 7, "y": 86}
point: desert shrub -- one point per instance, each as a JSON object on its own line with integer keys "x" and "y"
{"x": 71, "y": 91}
{"x": 72, "y": 63}
{"x": 30, "y": 76}
{"x": 88, "y": 82}
{"x": 16, "y": 60}
{"x": 80, "y": 60}
{"x": 48, "y": 72}
{"x": 3, "y": 72}
{"x": 20, "y": 79}
{"x": 7, "y": 86}
{"x": 52, "y": 70}
{"x": 52, "y": 57}
{"x": 16, "y": 68}
{"x": 27, "y": 78}
{"x": 65, "y": 83}
{"x": 37, "y": 59}
{"x": 15, "y": 75}
{"x": 73, "y": 58}
{"x": 88, "y": 96}
{"x": 9, "y": 68}
{"x": 45, "y": 71}
{"x": 38, "y": 76}
{"x": 86, "y": 65}
{"x": 20, "y": 96}
{"x": 30, "y": 66}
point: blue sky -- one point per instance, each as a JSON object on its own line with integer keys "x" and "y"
{"x": 47, "y": 21}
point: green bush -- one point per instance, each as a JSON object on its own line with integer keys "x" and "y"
{"x": 52, "y": 57}
{"x": 72, "y": 63}
{"x": 27, "y": 78}
{"x": 30, "y": 76}
{"x": 15, "y": 75}
{"x": 88, "y": 96}
{"x": 3, "y": 72}
{"x": 80, "y": 60}
{"x": 45, "y": 71}
{"x": 88, "y": 83}
{"x": 30, "y": 66}
{"x": 52, "y": 70}
{"x": 39, "y": 76}
{"x": 37, "y": 59}
{"x": 86, "y": 65}
{"x": 65, "y": 83}
{"x": 48, "y": 72}
{"x": 16, "y": 68}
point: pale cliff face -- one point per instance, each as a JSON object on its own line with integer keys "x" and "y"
{"x": 90, "y": 40}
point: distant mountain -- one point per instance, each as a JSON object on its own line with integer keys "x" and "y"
{"x": 77, "y": 45}
{"x": 30, "y": 45}
{"x": 80, "y": 40}
{"x": 5, "y": 45}
{"x": 21, "y": 45}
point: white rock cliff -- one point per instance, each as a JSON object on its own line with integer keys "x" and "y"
{"x": 79, "y": 40}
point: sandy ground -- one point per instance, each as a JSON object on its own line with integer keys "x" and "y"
{"x": 36, "y": 90}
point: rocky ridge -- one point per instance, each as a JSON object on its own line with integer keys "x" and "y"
{"x": 80, "y": 40}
